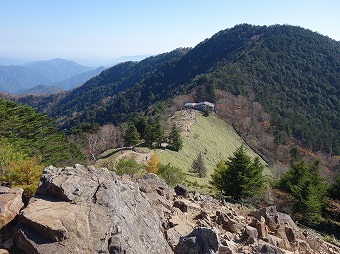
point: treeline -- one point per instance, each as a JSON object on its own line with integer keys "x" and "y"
{"x": 292, "y": 72}
{"x": 28, "y": 142}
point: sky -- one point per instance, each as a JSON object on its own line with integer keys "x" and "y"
{"x": 106, "y": 29}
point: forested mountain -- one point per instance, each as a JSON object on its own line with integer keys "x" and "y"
{"x": 40, "y": 89}
{"x": 78, "y": 79}
{"x": 14, "y": 79}
{"x": 293, "y": 72}
{"x": 57, "y": 70}
{"x": 34, "y": 135}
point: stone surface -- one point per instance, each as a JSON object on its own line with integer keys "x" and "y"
{"x": 79, "y": 210}
{"x": 267, "y": 248}
{"x": 199, "y": 241}
{"x": 8, "y": 244}
{"x": 249, "y": 235}
{"x": 10, "y": 204}
{"x": 181, "y": 205}
{"x": 271, "y": 216}
{"x": 89, "y": 210}
{"x": 181, "y": 190}
{"x": 290, "y": 234}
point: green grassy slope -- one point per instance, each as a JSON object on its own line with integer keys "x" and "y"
{"x": 211, "y": 136}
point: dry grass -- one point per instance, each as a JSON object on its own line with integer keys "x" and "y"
{"x": 213, "y": 138}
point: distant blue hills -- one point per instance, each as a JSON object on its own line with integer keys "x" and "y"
{"x": 56, "y": 72}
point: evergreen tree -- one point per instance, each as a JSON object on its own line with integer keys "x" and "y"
{"x": 154, "y": 133}
{"x": 335, "y": 189}
{"x": 308, "y": 190}
{"x": 240, "y": 177}
{"x": 175, "y": 139}
{"x": 218, "y": 177}
{"x": 198, "y": 166}
{"x": 131, "y": 137}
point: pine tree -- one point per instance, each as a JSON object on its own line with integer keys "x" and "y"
{"x": 240, "y": 177}
{"x": 198, "y": 166}
{"x": 335, "y": 188}
{"x": 175, "y": 139}
{"x": 308, "y": 191}
{"x": 131, "y": 137}
{"x": 218, "y": 177}
{"x": 152, "y": 165}
{"x": 154, "y": 133}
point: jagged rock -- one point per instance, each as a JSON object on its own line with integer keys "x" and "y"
{"x": 261, "y": 229}
{"x": 267, "y": 248}
{"x": 271, "y": 216}
{"x": 199, "y": 241}
{"x": 224, "y": 249}
{"x": 274, "y": 240}
{"x": 8, "y": 244}
{"x": 10, "y": 204}
{"x": 290, "y": 234}
{"x": 249, "y": 235}
{"x": 181, "y": 190}
{"x": 79, "y": 210}
{"x": 303, "y": 247}
{"x": 150, "y": 183}
{"x": 228, "y": 223}
{"x": 286, "y": 220}
{"x": 181, "y": 205}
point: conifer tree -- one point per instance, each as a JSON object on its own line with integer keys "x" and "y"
{"x": 308, "y": 191}
{"x": 175, "y": 139}
{"x": 240, "y": 177}
{"x": 131, "y": 137}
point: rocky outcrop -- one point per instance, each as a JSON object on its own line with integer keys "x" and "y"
{"x": 10, "y": 204}
{"x": 88, "y": 210}
{"x": 199, "y": 241}
{"x": 82, "y": 210}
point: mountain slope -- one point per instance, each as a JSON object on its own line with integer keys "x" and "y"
{"x": 57, "y": 70}
{"x": 14, "y": 78}
{"x": 79, "y": 79}
{"x": 40, "y": 89}
{"x": 291, "y": 71}
{"x": 110, "y": 82}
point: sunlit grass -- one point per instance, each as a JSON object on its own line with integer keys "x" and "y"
{"x": 213, "y": 138}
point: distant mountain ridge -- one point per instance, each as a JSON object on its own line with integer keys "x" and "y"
{"x": 293, "y": 72}
{"x": 15, "y": 78}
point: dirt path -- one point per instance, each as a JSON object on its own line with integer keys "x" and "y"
{"x": 183, "y": 120}
{"x": 140, "y": 156}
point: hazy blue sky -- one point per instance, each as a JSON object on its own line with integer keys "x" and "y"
{"x": 42, "y": 29}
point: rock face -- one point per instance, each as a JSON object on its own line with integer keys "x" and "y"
{"x": 199, "y": 241}
{"x": 88, "y": 210}
{"x": 79, "y": 210}
{"x": 10, "y": 204}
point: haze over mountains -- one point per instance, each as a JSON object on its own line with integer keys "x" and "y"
{"x": 291, "y": 71}
{"x": 56, "y": 72}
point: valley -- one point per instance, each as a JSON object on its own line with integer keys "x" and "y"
{"x": 272, "y": 137}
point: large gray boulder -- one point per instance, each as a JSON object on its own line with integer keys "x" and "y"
{"x": 200, "y": 241}
{"x": 82, "y": 210}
